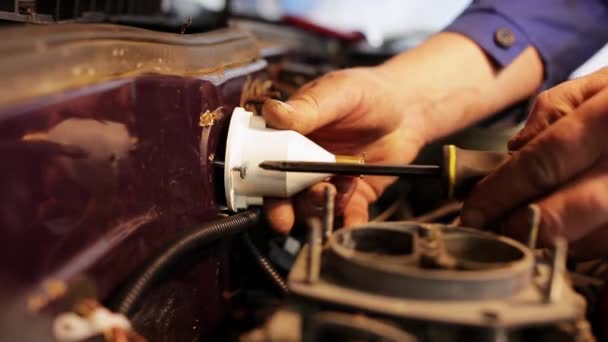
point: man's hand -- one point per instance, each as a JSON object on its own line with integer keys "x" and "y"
{"x": 560, "y": 164}
{"x": 390, "y": 111}
{"x": 349, "y": 112}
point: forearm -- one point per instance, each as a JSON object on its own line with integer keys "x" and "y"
{"x": 451, "y": 65}
{"x": 514, "y": 36}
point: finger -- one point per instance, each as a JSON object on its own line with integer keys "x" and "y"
{"x": 356, "y": 210}
{"x": 553, "y": 104}
{"x": 322, "y": 101}
{"x": 345, "y": 187}
{"x": 592, "y": 246}
{"x": 280, "y": 214}
{"x": 311, "y": 201}
{"x": 555, "y": 156}
{"x": 544, "y": 113}
{"x": 574, "y": 211}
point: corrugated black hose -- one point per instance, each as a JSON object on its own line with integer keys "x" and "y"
{"x": 265, "y": 265}
{"x": 202, "y": 235}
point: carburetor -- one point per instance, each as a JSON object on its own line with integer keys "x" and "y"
{"x": 411, "y": 281}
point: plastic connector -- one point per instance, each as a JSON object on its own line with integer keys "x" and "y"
{"x": 249, "y": 143}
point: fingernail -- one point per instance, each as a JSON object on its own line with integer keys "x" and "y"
{"x": 285, "y": 107}
{"x": 473, "y": 218}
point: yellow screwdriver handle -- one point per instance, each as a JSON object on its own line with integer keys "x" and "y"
{"x": 462, "y": 168}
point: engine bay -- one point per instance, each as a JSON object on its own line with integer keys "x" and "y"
{"x": 117, "y": 220}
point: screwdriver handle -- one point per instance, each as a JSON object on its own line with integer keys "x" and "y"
{"x": 462, "y": 168}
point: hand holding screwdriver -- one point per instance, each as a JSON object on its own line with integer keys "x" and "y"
{"x": 560, "y": 164}
{"x": 391, "y": 111}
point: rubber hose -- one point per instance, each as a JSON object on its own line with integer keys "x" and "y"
{"x": 194, "y": 239}
{"x": 266, "y": 266}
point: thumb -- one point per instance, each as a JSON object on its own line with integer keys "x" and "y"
{"x": 317, "y": 104}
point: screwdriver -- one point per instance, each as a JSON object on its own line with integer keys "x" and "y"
{"x": 459, "y": 170}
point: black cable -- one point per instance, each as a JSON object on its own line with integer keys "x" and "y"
{"x": 265, "y": 265}
{"x": 192, "y": 240}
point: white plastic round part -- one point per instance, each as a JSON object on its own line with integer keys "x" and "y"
{"x": 250, "y": 143}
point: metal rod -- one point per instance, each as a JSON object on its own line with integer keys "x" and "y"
{"x": 315, "y": 239}
{"x": 352, "y": 169}
{"x": 556, "y": 280}
{"x": 534, "y": 219}
{"x": 500, "y": 335}
{"x": 218, "y": 163}
{"x": 328, "y": 212}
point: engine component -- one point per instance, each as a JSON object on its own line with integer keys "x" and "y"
{"x": 432, "y": 278}
{"x": 265, "y": 265}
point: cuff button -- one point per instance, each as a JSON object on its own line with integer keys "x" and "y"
{"x": 504, "y": 37}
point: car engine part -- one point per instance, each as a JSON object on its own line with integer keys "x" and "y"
{"x": 429, "y": 282}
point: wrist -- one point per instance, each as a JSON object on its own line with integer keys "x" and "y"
{"x": 457, "y": 83}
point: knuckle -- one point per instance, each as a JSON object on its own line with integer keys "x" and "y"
{"x": 332, "y": 77}
{"x": 523, "y": 137}
{"x": 309, "y": 85}
{"x": 596, "y": 201}
{"x": 348, "y": 76}
{"x": 310, "y": 99}
{"x": 543, "y": 100}
{"x": 339, "y": 75}
{"x": 541, "y": 169}
{"x": 551, "y": 105}
{"x": 308, "y": 112}
{"x": 280, "y": 223}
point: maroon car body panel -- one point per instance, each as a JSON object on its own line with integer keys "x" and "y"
{"x": 95, "y": 181}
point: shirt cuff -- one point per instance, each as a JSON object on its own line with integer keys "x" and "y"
{"x": 500, "y": 38}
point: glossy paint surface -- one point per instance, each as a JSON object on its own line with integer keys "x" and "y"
{"x": 96, "y": 181}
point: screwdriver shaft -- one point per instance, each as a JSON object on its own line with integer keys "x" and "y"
{"x": 352, "y": 169}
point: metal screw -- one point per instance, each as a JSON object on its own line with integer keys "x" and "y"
{"x": 187, "y": 23}
{"x": 432, "y": 252}
{"x": 241, "y": 169}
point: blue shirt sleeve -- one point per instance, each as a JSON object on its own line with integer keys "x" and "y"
{"x": 565, "y": 32}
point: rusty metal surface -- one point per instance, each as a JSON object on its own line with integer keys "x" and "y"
{"x": 429, "y": 262}
{"x": 515, "y": 310}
